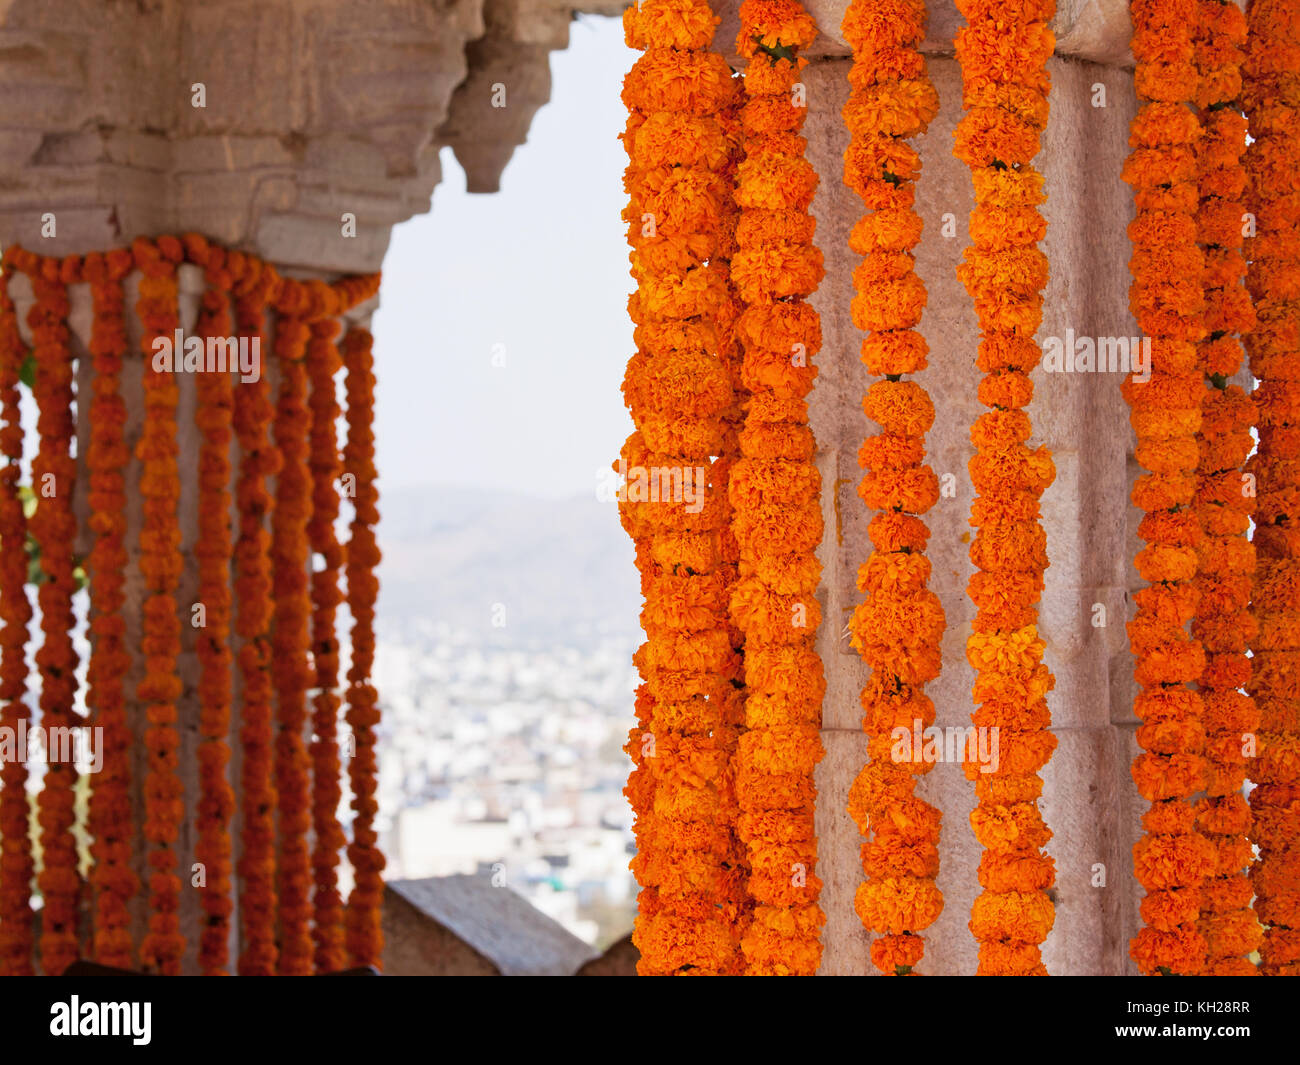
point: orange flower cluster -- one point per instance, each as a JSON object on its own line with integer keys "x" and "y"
{"x": 679, "y": 387}
{"x": 364, "y": 935}
{"x": 275, "y": 638}
{"x": 899, "y": 627}
{"x": 304, "y": 308}
{"x": 1271, "y": 97}
{"x": 732, "y": 352}
{"x": 221, "y": 408}
{"x": 16, "y": 863}
{"x": 1003, "y": 54}
{"x": 160, "y": 566}
{"x": 53, "y": 527}
{"x": 258, "y": 460}
{"x": 775, "y": 494}
{"x": 323, "y": 364}
{"x": 290, "y": 640}
{"x": 1172, "y": 860}
{"x": 1224, "y": 502}
{"x": 214, "y": 412}
{"x": 114, "y": 881}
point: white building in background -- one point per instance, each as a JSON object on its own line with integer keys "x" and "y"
{"x": 432, "y": 840}
{"x": 510, "y": 760}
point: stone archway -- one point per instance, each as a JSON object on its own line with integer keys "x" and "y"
{"x": 264, "y": 125}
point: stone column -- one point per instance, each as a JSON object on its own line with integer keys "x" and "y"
{"x": 297, "y": 132}
{"x": 1088, "y": 799}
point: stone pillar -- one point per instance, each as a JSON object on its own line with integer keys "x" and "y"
{"x": 1088, "y": 799}
{"x": 298, "y": 132}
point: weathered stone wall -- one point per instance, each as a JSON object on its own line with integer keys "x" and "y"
{"x": 416, "y": 946}
{"x": 310, "y": 108}
{"x": 1083, "y": 419}
{"x": 1089, "y": 799}
{"x": 1096, "y": 30}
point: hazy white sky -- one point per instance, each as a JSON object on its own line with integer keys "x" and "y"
{"x": 537, "y": 273}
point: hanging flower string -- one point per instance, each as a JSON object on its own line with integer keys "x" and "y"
{"x": 364, "y": 934}
{"x": 1271, "y": 98}
{"x": 1003, "y": 54}
{"x": 739, "y": 905}
{"x": 241, "y": 572}
{"x": 677, "y": 389}
{"x": 290, "y": 634}
{"x": 53, "y": 528}
{"x": 214, "y": 407}
{"x": 899, "y": 627}
{"x": 112, "y": 876}
{"x": 17, "y": 866}
{"x": 323, "y": 364}
{"x": 259, "y": 460}
{"x": 775, "y": 492}
{"x": 640, "y": 788}
{"x": 1172, "y": 860}
{"x": 1224, "y": 499}
{"x": 160, "y": 566}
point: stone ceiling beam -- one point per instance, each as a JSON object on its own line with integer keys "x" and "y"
{"x": 263, "y": 124}
{"x": 1095, "y": 30}
{"x": 260, "y": 124}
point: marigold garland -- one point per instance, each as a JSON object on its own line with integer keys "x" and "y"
{"x": 221, "y": 407}
{"x": 739, "y": 906}
{"x": 899, "y": 627}
{"x": 1003, "y": 54}
{"x": 54, "y": 527}
{"x": 290, "y": 636}
{"x": 775, "y": 494}
{"x": 1172, "y": 860}
{"x": 259, "y": 460}
{"x": 214, "y": 414}
{"x": 323, "y": 363}
{"x": 1271, "y": 97}
{"x": 678, "y": 390}
{"x": 160, "y": 566}
{"x": 1225, "y": 555}
{"x": 114, "y": 880}
{"x": 17, "y": 866}
{"x": 364, "y": 934}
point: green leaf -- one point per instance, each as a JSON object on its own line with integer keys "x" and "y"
{"x": 27, "y": 372}
{"x": 780, "y": 51}
{"x": 35, "y": 575}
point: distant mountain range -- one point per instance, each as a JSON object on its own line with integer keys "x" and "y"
{"x": 562, "y": 571}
